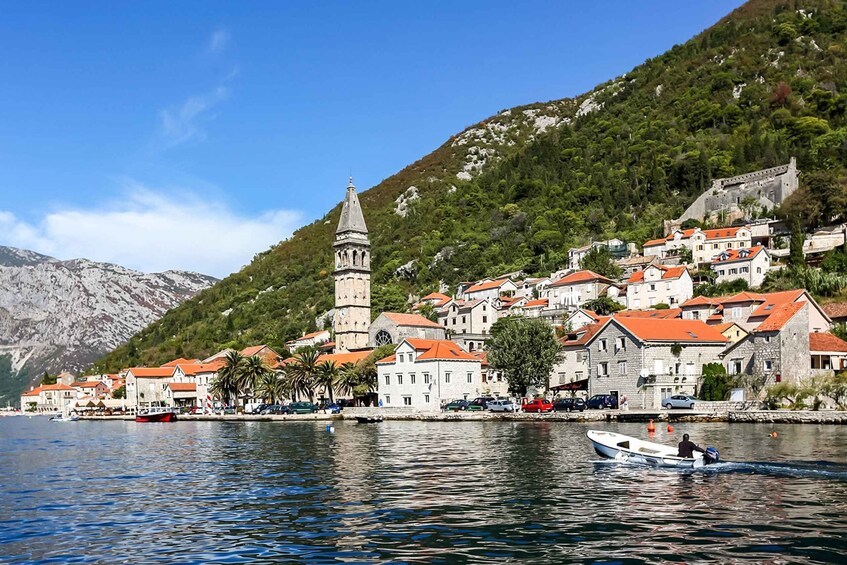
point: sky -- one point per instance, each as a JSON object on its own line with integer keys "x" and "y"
{"x": 193, "y": 135}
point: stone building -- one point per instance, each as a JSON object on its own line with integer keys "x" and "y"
{"x": 577, "y": 288}
{"x": 723, "y": 200}
{"x": 646, "y": 359}
{"x": 352, "y": 276}
{"x": 658, "y": 284}
{"x": 394, "y": 327}
{"x": 750, "y": 265}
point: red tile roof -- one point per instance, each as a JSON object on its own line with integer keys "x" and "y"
{"x": 436, "y": 297}
{"x": 733, "y": 255}
{"x": 826, "y": 342}
{"x": 152, "y": 372}
{"x": 701, "y": 301}
{"x": 653, "y": 242}
{"x": 668, "y": 273}
{"x": 182, "y": 387}
{"x": 487, "y": 285}
{"x": 34, "y": 392}
{"x": 253, "y": 350}
{"x": 835, "y": 310}
{"x": 435, "y": 350}
{"x": 779, "y": 316}
{"x": 723, "y": 327}
{"x": 57, "y": 386}
{"x": 773, "y": 299}
{"x": 664, "y": 314}
{"x": 180, "y": 361}
{"x": 721, "y": 233}
{"x": 197, "y": 368}
{"x": 347, "y": 357}
{"x": 684, "y": 331}
{"x": 414, "y": 320}
{"x": 584, "y": 334}
{"x": 540, "y": 303}
{"x": 744, "y": 296}
{"x": 86, "y": 384}
{"x": 580, "y": 277}
{"x": 482, "y": 356}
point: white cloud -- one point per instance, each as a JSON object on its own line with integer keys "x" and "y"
{"x": 183, "y": 124}
{"x": 154, "y": 231}
{"x": 218, "y": 41}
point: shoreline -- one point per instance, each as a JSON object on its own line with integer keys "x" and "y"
{"x": 733, "y": 416}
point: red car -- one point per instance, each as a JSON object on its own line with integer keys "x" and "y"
{"x": 538, "y": 405}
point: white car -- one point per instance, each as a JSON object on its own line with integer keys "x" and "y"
{"x": 502, "y": 406}
{"x": 679, "y": 401}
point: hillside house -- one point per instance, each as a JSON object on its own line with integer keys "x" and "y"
{"x": 658, "y": 284}
{"x": 469, "y": 322}
{"x": 748, "y": 264}
{"x": 427, "y": 374}
{"x": 309, "y": 340}
{"x": 490, "y": 289}
{"x": 828, "y": 353}
{"x": 573, "y": 290}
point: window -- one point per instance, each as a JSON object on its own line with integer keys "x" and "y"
{"x": 411, "y": 378}
{"x": 426, "y": 398}
{"x": 387, "y": 379}
{"x": 454, "y": 321}
{"x": 758, "y": 270}
{"x": 667, "y": 286}
{"x": 400, "y": 356}
{"x": 652, "y": 286}
{"x": 699, "y": 248}
{"x": 601, "y": 345}
{"x": 602, "y": 369}
{"x": 484, "y": 319}
{"x": 579, "y": 356}
{"x": 767, "y": 339}
{"x": 470, "y": 378}
{"x": 736, "y": 312}
{"x": 768, "y": 364}
{"x": 464, "y": 318}
{"x": 387, "y": 399}
{"x": 578, "y": 375}
{"x": 426, "y": 378}
{"x": 620, "y": 343}
{"x": 715, "y": 246}
{"x": 621, "y": 367}
{"x": 446, "y": 378}
{"x": 399, "y": 379}
{"x": 407, "y": 401}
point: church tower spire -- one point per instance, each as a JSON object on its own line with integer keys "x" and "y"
{"x": 352, "y": 251}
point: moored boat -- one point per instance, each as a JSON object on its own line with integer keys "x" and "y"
{"x": 627, "y": 449}
{"x": 157, "y": 416}
{"x": 368, "y": 419}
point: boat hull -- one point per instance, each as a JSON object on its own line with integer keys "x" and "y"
{"x": 156, "y": 417}
{"x": 627, "y": 449}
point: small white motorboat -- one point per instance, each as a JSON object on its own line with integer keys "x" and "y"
{"x": 627, "y": 449}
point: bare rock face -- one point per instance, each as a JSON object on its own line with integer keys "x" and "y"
{"x": 64, "y": 315}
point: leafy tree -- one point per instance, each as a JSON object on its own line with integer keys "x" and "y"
{"x": 835, "y": 262}
{"x": 836, "y": 389}
{"x": 48, "y": 379}
{"x": 347, "y": 379}
{"x": 525, "y": 350}
{"x": 119, "y": 392}
{"x": 271, "y": 387}
{"x": 251, "y": 372}
{"x": 600, "y": 260}
{"x": 302, "y": 374}
{"x": 796, "y": 258}
{"x": 603, "y": 305}
{"x": 327, "y": 375}
{"x": 226, "y": 381}
{"x": 839, "y": 330}
{"x": 725, "y": 288}
{"x": 716, "y": 383}
{"x": 661, "y": 306}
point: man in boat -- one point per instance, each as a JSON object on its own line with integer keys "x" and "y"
{"x": 688, "y": 447}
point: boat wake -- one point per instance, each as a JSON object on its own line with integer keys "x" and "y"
{"x": 808, "y": 469}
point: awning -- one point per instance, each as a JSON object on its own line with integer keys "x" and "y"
{"x": 575, "y": 385}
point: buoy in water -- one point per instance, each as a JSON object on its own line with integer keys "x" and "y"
{"x": 670, "y": 428}
{"x": 774, "y": 434}
{"x": 651, "y": 427}
{"x": 330, "y": 428}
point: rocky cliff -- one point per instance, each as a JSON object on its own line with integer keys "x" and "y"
{"x": 62, "y": 315}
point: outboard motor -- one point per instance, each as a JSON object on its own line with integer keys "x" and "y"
{"x": 711, "y": 456}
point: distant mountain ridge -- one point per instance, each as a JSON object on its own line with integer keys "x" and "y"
{"x": 515, "y": 191}
{"x": 62, "y": 315}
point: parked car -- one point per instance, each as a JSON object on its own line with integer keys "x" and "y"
{"x": 303, "y": 408}
{"x": 456, "y": 406}
{"x": 276, "y": 409}
{"x": 502, "y": 406}
{"x": 602, "y": 401}
{"x": 679, "y": 401}
{"x": 480, "y": 403}
{"x": 569, "y": 405}
{"x": 538, "y": 405}
{"x": 332, "y": 408}
{"x": 259, "y": 408}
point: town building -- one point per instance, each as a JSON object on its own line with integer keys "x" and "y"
{"x": 707, "y": 244}
{"x": 312, "y": 339}
{"x": 648, "y": 359}
{"x": 490, "y": 289}
{"x": 658, "y": 284}
{"x": 49, "y": 398}
{"x": 575, "y": 289}
{"x": 748, "y": 264}
{"x": 828, "y": 352}
{"x": 468, "y": 322}
{"x": 352, "y": 276}
{"x": 146, "y": 386}
{"x": 394, "y": 327}
{"x": 426, "y": 374}
{"x": 570, "y": 374}
{"x": 579, "y": 318}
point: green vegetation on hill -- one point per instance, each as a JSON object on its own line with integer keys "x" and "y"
{"x": 767, "y": 82}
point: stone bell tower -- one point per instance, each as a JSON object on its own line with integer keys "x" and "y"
{"x": 352, "y": 276}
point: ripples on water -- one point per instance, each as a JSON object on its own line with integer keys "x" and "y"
{"x": 414, "y": 492}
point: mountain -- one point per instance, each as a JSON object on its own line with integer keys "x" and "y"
{"x": 63, "y": 315}
{"x": 515, "y": 191}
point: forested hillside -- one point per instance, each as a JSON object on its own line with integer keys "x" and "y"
{"x": 516, "y": 191}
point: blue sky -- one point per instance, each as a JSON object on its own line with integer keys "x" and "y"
{"x": 193, "y": 135}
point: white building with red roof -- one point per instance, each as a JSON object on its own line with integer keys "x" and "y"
{"x": 577, "y": 288}
{"x": 469, "y": 321}
{"x": 658, "y": 284}
{"x": 490, "y": 289}
{"x": 829, "y": 352}
{"x": 749, "y": 264}
{"x": 426, "y": 374}
{"x": 309, "y": 340}
{"x": 49, "y": 398}
{"x": 703, "y": 244}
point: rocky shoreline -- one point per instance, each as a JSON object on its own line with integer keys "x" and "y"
{"x": 732, "y": 416}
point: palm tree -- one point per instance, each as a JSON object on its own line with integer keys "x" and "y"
{"x": 271, "y": 387}
{"x": 225, "y": 384}
{"x": 252, "y": 370}
{"x": 327, "y": 374}
{"x": 301, "y": 373}
{"x": 347, "y": 380}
